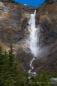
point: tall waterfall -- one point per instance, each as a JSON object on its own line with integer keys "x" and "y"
{"x": 34, "y": 39}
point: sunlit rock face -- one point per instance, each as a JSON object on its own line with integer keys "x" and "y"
{"x": 47, "y": 18}
{"x": 15, "y": 22}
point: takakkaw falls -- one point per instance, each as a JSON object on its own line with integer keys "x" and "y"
{"x": 34, "y": 40}
{"x": 32, "y": 31}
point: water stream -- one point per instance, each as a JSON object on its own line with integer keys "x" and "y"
{"x": 34, "y": 39}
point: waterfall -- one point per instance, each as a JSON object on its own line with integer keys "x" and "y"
{"x": 34, "y": 39}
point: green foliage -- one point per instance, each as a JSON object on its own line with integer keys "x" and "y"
{"x": 40, "y": 80}
{"x": 11, "y": 75}
{"x": 43, "y": 79}
{"x": 52, "y": 73}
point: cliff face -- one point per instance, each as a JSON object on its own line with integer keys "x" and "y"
{"x": 47, "y": 18}
{"x": 14, "y": 29}
{"x": 13, "y": 21}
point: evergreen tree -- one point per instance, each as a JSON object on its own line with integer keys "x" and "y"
{"x": 34, "y": 81}
{"x": 14, "y": 70}
{"x": 44, "y": 80}
{"x": 1, "y": 67}
{"x": 11, "y": 57}
{"x": 10, "y": 74}
{"x": 5, "y": 77}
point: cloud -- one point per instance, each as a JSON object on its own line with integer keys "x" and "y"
{"x": 25, "y": 4}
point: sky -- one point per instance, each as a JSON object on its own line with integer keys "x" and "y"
{"x": 35, "y": 3}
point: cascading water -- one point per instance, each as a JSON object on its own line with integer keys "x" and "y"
{"x": 33, "y": 35}
{"x": 34, "y": 39}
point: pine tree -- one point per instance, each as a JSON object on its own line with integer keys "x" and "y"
{"x": 5, "y": 77}
{"x": 11, "y": 57}
{"x": 1, "y": 67}
{"x": 14, "y": 70}
{"x": 10, "y": 74}
{"x": 44, "y": 80}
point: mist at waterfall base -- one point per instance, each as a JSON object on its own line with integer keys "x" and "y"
{"x": 33, "y": 37}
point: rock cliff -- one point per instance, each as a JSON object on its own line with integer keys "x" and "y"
{"x": 14, "y": 29}
{"x": 47, "y": 18}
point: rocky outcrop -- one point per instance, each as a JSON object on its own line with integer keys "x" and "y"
{"x": 24, "y": 59}
{"x": 47, "y": 18}
{"x": 14, "y": 24}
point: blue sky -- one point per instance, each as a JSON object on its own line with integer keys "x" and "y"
{"x": 35, "y": 3}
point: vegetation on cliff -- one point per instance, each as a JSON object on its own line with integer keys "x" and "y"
{"x": 11, "y": 75}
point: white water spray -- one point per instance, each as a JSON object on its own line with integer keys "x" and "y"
{"x": 34, "y": 39}
{"x": 33, "y": 35}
